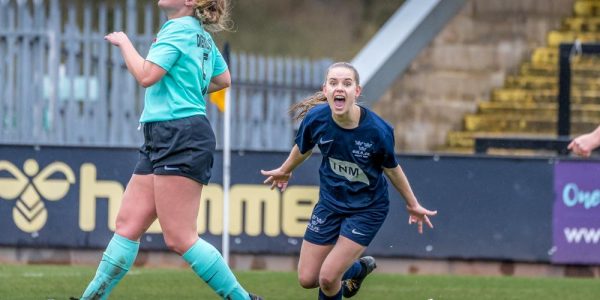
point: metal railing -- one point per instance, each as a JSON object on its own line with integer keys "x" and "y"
{"x": 61, "y": 83}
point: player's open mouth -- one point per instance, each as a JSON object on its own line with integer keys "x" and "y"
{"x": 339, "y": 101}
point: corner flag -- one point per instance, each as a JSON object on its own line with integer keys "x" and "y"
{"x": 218, "y": 99}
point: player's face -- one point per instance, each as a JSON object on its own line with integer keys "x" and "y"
{"x": 341, "y": 90}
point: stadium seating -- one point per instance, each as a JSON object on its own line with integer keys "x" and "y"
{"x": 526, "y": 106}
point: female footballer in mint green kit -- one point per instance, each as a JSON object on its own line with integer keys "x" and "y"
{"x": 175, "y": 161}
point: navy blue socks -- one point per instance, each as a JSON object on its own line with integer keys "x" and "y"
{"x": 337, "y": 296}
{"x": 354, "y": 270}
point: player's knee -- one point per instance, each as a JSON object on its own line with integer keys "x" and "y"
{"x": 308, "y": 281}
{"x": 126, "y": 230}
{"x": 121, "y": 225}
{"x": 326, "y": 281}
{"x": 176, "y": 245}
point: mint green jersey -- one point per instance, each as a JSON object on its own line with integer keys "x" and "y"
{"x": 189, "y": 55}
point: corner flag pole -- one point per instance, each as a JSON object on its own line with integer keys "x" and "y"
{"x": 226, "y": 163}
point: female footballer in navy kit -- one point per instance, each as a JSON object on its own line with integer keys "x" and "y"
{"x": 175, "y": 161}
{"x": 357, "y": 148}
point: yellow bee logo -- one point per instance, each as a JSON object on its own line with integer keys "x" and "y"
{"x": 29, "y": 212}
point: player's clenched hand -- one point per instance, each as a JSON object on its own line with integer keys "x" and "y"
{"x": 583, "y": 145}
{"x": 277, "y": 178}
{"x": 117, "y": 38}
{"x": 418, "y": 214}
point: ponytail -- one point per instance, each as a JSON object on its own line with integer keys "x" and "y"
{"x": 301, "y": 108}
{"x": 214, "y": 14}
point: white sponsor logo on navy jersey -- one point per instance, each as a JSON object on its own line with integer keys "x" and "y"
{"x": 348, "y": 170}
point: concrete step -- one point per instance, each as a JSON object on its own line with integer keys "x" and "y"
{"x": 551, "y": 70}
{"x": 581, "y": 24}
{"x": 550, "y": 82}
{"x": 499, "y": 29}
{"x": 586, "y": 8}
{"x": 525, "y": 124}
{"x": 523, "y": 95}
{"x": 497, "y": 9}
{"x": 478, "y": 57}
{"x": 556, "y": 37}
{"x": 549, "y": 56}
{"x": 456, "y": 84}
{"x": 545, "y": 55}
{"x": 545, "y": 110}
{"x": 578, "y": 96}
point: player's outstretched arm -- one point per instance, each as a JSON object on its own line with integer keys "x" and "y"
{"x": 416, "y": 213}
{"x": 279, "y": 177}
{"x": 583, "y": 145}
{"x": 145, "y": 73}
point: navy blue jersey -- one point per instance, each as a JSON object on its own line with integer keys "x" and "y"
{"x": 351, "y": 173}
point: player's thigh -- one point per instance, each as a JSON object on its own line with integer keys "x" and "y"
{"x": 177, "y": 201}
{"x": 322, "y": 232}
{"x": 341, "y": 257}
{"x": 137, "y": 211}
{"x": 309, "y": 264}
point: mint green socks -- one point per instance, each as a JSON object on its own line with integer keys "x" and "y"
{"x": 116, "y": 261}
{"x": 209, "y": 265}
{"x": 204, "y": 259}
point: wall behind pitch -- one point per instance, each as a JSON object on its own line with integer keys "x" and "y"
{"x": 489, "y": 208}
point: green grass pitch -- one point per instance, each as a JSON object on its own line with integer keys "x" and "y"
{"x": 26, "y": 282}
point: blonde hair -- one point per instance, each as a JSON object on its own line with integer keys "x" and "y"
{"x": 301, "y": 108}
{"x": 214, "y": 14}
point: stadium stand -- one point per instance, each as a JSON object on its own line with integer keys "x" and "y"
{"x": 526, "y": 106}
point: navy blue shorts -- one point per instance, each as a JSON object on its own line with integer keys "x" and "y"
{"x": 182, "y": 147}
{"x": 326, "y": 225}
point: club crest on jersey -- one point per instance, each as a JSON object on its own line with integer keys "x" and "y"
{"x": 348, "y": 170}
{"x": 362, "y": 149}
